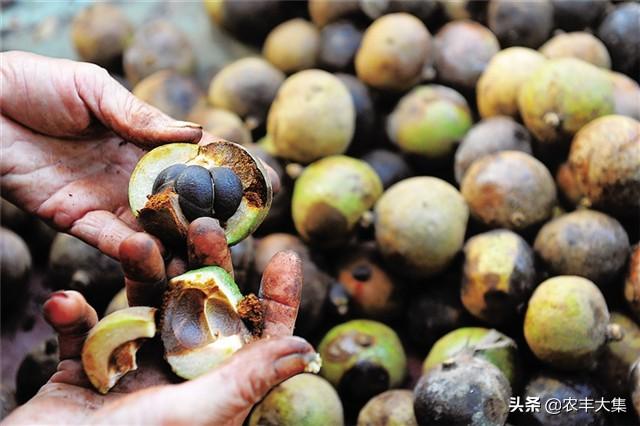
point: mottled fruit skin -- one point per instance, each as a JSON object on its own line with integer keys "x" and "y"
{"x": 390, "y": 408}
{"x": 566, "y": 322}
{"x": 339, "y": 42}
{"x": 488, "y": 344}
{"x": 499, "y": 275}
{"x": 394, "y": 50}
{"x": 579, "y": 45}
{"x": 632, "y": 282}
{"x": 567, "y": 185}
{"x": 330, "y": 197}
{"x": 618, "y": 357}
{"x": 509, "y": 189}
{"x": 246, "y": 87}
{"x": 619, "y": 32}
{"x": 170, "y": 92}
{"x": 362, "y": 358}
{"x": 312, "y": 116}
{"x": 605, "y": 162}
{"x": 293, "y": 46}
{"x": 429, "y": 121}
{"x": 490, "y": 135}
{"x": 221, "y": 123}
{"x": 156, "y": 46}
{"x": 302, "y": 400}
{"x": 463, "y": 50}
{"x": 520, "y": 23}
{"x": 420, "y": 224}
{"x": 562, "y": 96}
{"x": 546, "y": 386}
{"x": 499, "y": 85}
{"x": 100, "y": 34}
{"x": 462, "y": 391}
{"x": 584, "y": 243}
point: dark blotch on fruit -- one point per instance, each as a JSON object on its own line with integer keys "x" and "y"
{"x": 167, "y": 177}
{"x": 195, "y": 192}
{"x": 228, "y": 192}
{"x": 363, "y": 381}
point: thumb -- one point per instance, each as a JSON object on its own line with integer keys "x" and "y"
{"x": 223, "y": 396}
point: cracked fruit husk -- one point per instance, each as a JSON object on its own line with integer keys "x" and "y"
{"x": 110, "y": 349}
{"x": 203, "y": 320}
{"x": 221, "y": 180}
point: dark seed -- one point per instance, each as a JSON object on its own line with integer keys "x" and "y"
{"x": 228, "y": 192}
{"x": 166, "y": 177}
{"x": 195, "y": 189}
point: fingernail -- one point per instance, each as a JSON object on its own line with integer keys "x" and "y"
{"x": 60, "y": 294}
{"x": 186, "y": 124}
{"x": 313, "y": 363}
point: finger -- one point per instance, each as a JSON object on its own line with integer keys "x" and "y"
{"x": 70, "y": 372}
{"x": 207, "y": 245}
{"x": 101, "y": 229}
{"x": 72, "y": 318}
{"x": 144, "y": 271}
{"x": 222, "y": 395}
{"x": 280, "y": 293}
{"x": 75, "y": 95}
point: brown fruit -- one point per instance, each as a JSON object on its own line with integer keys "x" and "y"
{"x": 579, "y": 45}
{"x": 249, "y": 21}
{"x": 393, "y": 407}
{"x": 567, "y": 185}
{"x": 632, "y": 282}
{"x": 463, "y": 50}
{"x": 509, "y": 189}
{"x": 222, "y": 124}
{"x": 100, "y": 33}
{"x": 158, "y": 45}
{"x": 171, "y": 93}
{"x": 394, "y": 51}
{"x": 608, "y": 174}
{"x": 521, "y": 23}
{"x": 586, "y": 243}
{"x": 323, "y": 12}
{"x": 293, "y": 46}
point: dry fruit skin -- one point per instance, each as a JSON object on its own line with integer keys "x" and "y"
{"x": 632, "y": 282}
{"x": 488, "y": 344}
{"x": 330, "y": 197}
{"x": 163, "y": 214}
{"x": 109, "y": 352}
{"x": 303, "y": 400}
{"x": 390, "y": 408}
{"x": 499, "y": 85}
{"x": 498, "y": 276}
{"x": 567, "y": 323}
{"x": 618, "y": 356}
{"x": 579, "y": 45}
{"x": 293, "y": 46}
{"x": 202, "y": 320}
{"x": 562, "y": 96}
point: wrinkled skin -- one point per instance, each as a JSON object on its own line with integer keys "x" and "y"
{"x": 90, "y": 129}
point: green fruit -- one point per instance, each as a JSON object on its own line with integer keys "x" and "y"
{"x": 390, "y": 408}
{"x": 499, "y": 276}
{"x": 566, "y": 323}
{"x": 303, "y": 400}
{"x": 202, "y": 320}
{"x": 362, "y": 358}
{"x": 293, "y": 46}
{"x": 509, "y": 189}
{"x": 585, "y": 243}
{"x": 429, "y": 121}
{"x": 420, "y": 224}
{"x": 330, "y": 197}
{"x": 617, "y": 358}
{"x": 170, "y": 92}
{"x": 462, "y": 391}
{"x": 312, "y": 116}
{"x": 499, "y": 85}
{"x": 579, "y": 45}
{"x": 488, "y": 344}
{"x": 562, "y": 96}
{"x": 109, "y": 352}
{"x": 246, "y": 87}
{"x": 608, "y": 174}
{"x": 394, "y": 51}
{"x": 118, "y": 302}
{"x": 161, "y": 213}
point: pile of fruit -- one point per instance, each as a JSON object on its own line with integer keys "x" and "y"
{"x": 461, "y": 180}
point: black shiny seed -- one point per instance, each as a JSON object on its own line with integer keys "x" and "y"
{"x": 195, "y": 190}
{"x": 228, "y": 192}
{"x": 167, "y": 177}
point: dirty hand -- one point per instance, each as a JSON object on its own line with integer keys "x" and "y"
{"x": 151, "y": 394}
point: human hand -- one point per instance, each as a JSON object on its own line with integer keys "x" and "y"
{"x": 150, "y": 395}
